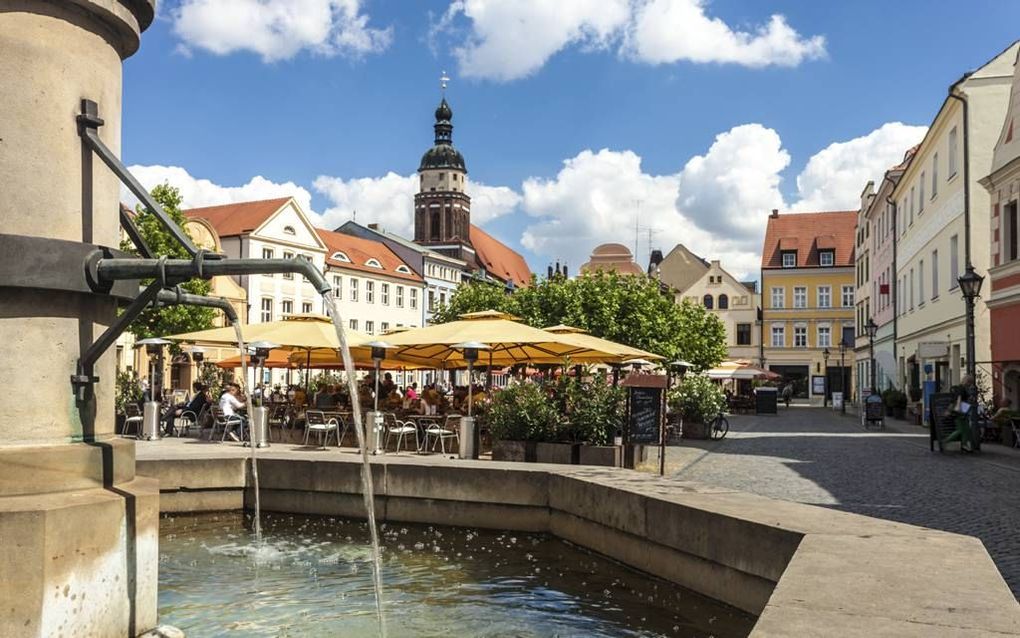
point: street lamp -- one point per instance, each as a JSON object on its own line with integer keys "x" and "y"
{"x": 151, "y": 409}
{"x": 468, "y": 433}
{"x": 842, "y": 375}
{"x": 970, "y": 285}
{"x": 262, "y": 349}
{"x": 825, "y": 379}
{"x": 872, "y": 329}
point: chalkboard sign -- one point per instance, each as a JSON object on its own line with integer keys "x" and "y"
{"x": 942, "y": 418}
{"x": 644, "y": 415}
{"x": 874, "y": 408}
{"x": 766, "y": 400}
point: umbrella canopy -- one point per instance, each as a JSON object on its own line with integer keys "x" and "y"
{"x": 277, "y": 359}
{"x": 293, "y": 332}
{"x": 738, "y": 370}
{"x": 329, "y": 359}
{"x": 509, "y": 341}
{"x": 582, "y": 339}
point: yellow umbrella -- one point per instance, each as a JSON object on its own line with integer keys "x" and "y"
{"x": 277, "y": 359}
{"x": 293, "y": 332}
{"x": 582, "y": 339}
{"x": 324, "y": 358}
{"x": 509, "y": 341}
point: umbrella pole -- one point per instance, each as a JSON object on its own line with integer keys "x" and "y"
{"x": 488, "y": 375}
{"x": 308, "y": 366}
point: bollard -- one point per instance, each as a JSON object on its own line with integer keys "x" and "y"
{"x": 260, "y": 426}
{"x": 374, "y": 431}
{"x": 150, "y": 421}
{"x": 468, "y": 438}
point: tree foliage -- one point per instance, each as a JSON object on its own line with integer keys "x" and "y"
{"x": 166, "y": 320}
{"x": 623, "y": 308}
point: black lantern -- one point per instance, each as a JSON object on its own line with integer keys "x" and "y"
{"x": 970, "y": 283}
{"x": 379, "y": 349}
{"x": 153, "y": 345}
{"x": 842, "y": 375}
{"x": 872, "y": 328}
{"x": 197, "y": 354}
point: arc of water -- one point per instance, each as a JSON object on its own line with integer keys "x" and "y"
{"x": 251, "y": 438}
{"x": 366, "y": 468}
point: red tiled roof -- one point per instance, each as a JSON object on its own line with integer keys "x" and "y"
{"x": 499, "y": 259}
{"x": 359, "y": 251}
{"x": 812, "y": 231}
{"x": 238, "y": 218}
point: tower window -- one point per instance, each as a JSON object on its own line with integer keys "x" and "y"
{"x": 442, "y": 175}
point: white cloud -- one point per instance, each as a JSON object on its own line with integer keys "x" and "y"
{"x": 197, "y": 192}
{"x": 835, "y": 176}
{"x": 278, "y": 29}
{"x": 672, "y": 30}
{"x": 511, "y": 39}
{"x": 389, "y": 201}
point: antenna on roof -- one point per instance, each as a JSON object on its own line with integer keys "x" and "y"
{"x": 354, "y": 216}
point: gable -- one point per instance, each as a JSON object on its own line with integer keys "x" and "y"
{"x": 289, "y": 225}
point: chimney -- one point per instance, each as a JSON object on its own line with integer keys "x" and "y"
{"x": 550, "y": 271}
{"x": 373, "y": 226}
{"x": 654, "y": 260}
{"x": 775, "y": 213}
{"x": 564, "y": 271}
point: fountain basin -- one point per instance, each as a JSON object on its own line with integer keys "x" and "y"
{"x": 804, "y": 570}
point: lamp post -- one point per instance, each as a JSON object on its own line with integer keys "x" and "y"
{"x": 151, "y": 409}
{"x": 379, "y": 349}
{"x": 468, "y": 444}
{"x": 970, "y": 285}
{"x": 842, "y": 375}
{"x": 825, "y": 379}
{"x": 259, "y": 432}
{"x": 872, "y": 329}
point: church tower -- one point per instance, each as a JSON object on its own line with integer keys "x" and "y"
{"x": 442, "y": 208}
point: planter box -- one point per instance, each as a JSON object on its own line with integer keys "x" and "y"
{"x": 562, "y": 453}
{"x": 603, "y": 455}
{"x": 513, "y": 451}
{"x": 695, "y": 430}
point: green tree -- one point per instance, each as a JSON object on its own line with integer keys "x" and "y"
{"x": 166, "y": 320}
{"x": 623, "y": 308}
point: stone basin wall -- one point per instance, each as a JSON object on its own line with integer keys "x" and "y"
{"x": 803, "y": 570}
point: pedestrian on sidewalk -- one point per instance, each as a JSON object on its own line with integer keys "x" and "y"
{"x": 787, "y": 394}
{"x": 961, "y": 413}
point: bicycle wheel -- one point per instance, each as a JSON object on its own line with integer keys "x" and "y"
{"x": 720, "y": 427}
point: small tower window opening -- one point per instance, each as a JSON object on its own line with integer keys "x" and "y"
{"x": 707, "y": 300}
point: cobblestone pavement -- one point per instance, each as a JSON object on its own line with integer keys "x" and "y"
{"x": 812, "y": 455}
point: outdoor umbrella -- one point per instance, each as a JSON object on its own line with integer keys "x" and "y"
{"x": 582, "y": 339}
{"x": 277, "y": 359}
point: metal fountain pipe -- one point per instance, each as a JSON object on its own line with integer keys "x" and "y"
{"x": 177, "y": 298}
{"x": 204, "y": 266}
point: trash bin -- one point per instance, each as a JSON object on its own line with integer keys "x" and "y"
{"x": 260, "y": 426}
{"x": 468, "y": 438}
{"x": 766, "y": 400}
{"x": 150, "y": 421}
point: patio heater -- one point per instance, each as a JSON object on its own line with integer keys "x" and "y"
{"x": 379, "y": 349}
{"x": 970, "y": 285}
{"x": 151, "y": 409}
{"x": 825, "y": 377}
{"x": 260, "y": 413}
{"x": 469, "y": 443}
{"x": 872, "y": 329}
{"x": 842, "y": 374}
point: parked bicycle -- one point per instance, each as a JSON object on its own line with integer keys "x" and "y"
{"x": 719, "y": 426}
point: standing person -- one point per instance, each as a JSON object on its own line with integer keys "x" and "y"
{"x": 787, "y": 393}
{"x": 230, "y": 404}
{"x": 961, "y": 413}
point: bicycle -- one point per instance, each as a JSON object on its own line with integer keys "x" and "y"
{"x": 719, "y": 426}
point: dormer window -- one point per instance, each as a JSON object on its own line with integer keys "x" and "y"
{"x": 289, "y": 230}
{"x": 339, "y": 256}
{"x": 403, "y": 269}
{"x": 826, "y": 258}
{"x": 790, "y": 259}
{"x": 373, "y": 263}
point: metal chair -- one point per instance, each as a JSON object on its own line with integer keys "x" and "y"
{"x": 316, "y": 421}
{"x": 187, "y": 419}
{"x": 226, "y": 424}
{"x": 450, "y": 429}
{"x": 342, "y": 422}
{"x": 400, "y": 429}
{"x": 132, "y": 416}
{"x": 279, "y": 417}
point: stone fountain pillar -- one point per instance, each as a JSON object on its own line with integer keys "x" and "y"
{"x": 78, "y": 529}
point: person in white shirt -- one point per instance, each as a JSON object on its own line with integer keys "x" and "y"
{"x": 230, "y": 404}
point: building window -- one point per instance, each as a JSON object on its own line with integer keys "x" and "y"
{"x": 848, "y": 296}
{"x": 385, "y": 294}
{"x": 369, "y": 292}
{"x": 824, "y": 296}
{"x": 288, "y": 255}
{"x": 800, "y": 336}
{"x": 934, "y": 274}
{"x": 1010, "y": 233}
{"x": 306, "y": 307}
{"x": 384, "y": 327}
{"x": 848, "y": 336}
{"x": 912, "y": 191}
{"x": 340, "y": 256}
{"x": 400, "y": 296}
{"x": 920, "y": 195}
{"x": 778, "y": 297}
{"x": 432, "y": 301}
{"x": 373, "y": 263}
{"x": 370, "y": 327}
{"x": 414, "y": 298}
{"x": 952, "y": 153}
{"x": 778, "y": 337}
{"x": 724, "y": 302}
{"x": 920, "y": 282}
{"x": 353, "y": 324}
{"x": 911, "y": 289}
{"x": 800, "y": 296}
{"x": 354, "y": 289}
{"x": 743, "y": 334}
{"x": 826, "y": 258}
{"x": 934, "y": 175}
{"x": 287, "y": 307}
{"x": 267, "y": 253}
{"x": 267, "y": 309}
{"x": 707, "y": 300}
{"x": 954, "y": 261}
{"x": 790, "y": 259}
{"x": 824, "y": 336}
{"x": 338, "y": 287}
{"x": 289, "y": 230}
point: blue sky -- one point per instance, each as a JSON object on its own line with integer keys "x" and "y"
{"x": 573, "y": 124}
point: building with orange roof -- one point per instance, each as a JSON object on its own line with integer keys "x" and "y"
{"x": 612, "y": 257}
{"x": 808, "y": 287}
{"x": 376, "y": 289}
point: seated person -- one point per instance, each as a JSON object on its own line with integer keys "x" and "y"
{"x": 277, "y": 395}
{"x": 325, "y": 399}
{"x": 198, "y": 402}
{"x": 231, "y": 405}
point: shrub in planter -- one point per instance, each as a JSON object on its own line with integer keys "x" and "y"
{"x": 595, "y": 409}
{"x": 128, "y": 391}
{"x": 522, "y": 412}
{"x": 697, "y": 399}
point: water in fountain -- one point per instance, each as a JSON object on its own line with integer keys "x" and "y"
{"x": 251, "y": 437}
{"x": 366, "y": 469}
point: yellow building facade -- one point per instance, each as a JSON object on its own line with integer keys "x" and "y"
{"x": 808, "y": 305}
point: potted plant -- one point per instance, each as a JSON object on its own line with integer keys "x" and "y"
{"x": 127, "y": 391}
{"x": 519, "y": 416}
{"x": 595, "y": 409}
{"x": 697, "y": 399}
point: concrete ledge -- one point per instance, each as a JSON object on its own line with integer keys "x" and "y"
{"x": 807, "y": 571}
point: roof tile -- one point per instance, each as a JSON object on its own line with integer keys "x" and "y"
{"x": 811, "y": 232}
{"x": 359, "y": 251}
{"x": 238, "y": 218}
{"x": 499, "y": 259}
